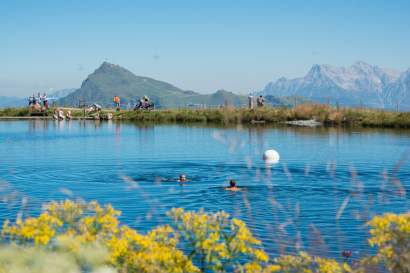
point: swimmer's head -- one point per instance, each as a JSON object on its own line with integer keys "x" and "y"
{"x": 232, "y": 183}
{"x": 182, "y": 178}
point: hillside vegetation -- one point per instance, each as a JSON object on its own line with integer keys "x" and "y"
{"x": 111, "y": 80}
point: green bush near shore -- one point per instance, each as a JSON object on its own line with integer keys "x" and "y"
{"x": 328, "y": 115}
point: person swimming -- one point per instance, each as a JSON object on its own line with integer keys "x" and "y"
{"x": 232, "y": 186}
{"x": 182, "y": 178}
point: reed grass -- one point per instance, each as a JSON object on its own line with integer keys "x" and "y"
{"x": 329, "y": 116}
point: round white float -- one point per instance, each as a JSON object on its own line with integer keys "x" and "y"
{"x": 271, "y": 156}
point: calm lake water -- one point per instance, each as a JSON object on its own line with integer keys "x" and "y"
{"x": 328, "y": 183}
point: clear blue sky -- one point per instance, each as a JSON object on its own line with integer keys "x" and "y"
{"x": 197, "y": 45}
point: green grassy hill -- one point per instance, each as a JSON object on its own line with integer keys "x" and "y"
{"x": 110, "y": 80}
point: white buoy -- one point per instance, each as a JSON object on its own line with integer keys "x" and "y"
{"x": 271, "y": 156}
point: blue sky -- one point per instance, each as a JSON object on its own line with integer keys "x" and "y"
{"x": 197, "y": 45}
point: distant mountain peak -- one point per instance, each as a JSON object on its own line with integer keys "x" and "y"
{"x": 351, "y": 84}
{"x": 58, "y": 94}
{"x": 110, "y": 80}
{"x": 315, "y": 68}
{"x": 107, "y": 67}
{"x": 220, "y": 91}
{"x": 318, "y": 72}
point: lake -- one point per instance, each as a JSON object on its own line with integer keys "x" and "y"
{"x": 328, "y": 182}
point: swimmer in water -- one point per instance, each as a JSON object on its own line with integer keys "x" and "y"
{"x": 182, "y": 178}
{"x": 232, "y": 186}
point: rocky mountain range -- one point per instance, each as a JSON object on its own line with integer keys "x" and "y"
{"x": 360, "y": 84}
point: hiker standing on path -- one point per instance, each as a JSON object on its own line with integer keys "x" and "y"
{"x": 117, "y": 103}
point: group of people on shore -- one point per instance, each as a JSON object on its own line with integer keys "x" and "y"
{"x": 38, "y": 101}
{"x": 232, "y": 183}
{"x": 143, "y": 103}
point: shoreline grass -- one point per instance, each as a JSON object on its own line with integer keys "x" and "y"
{"x": 328, "y": 115}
